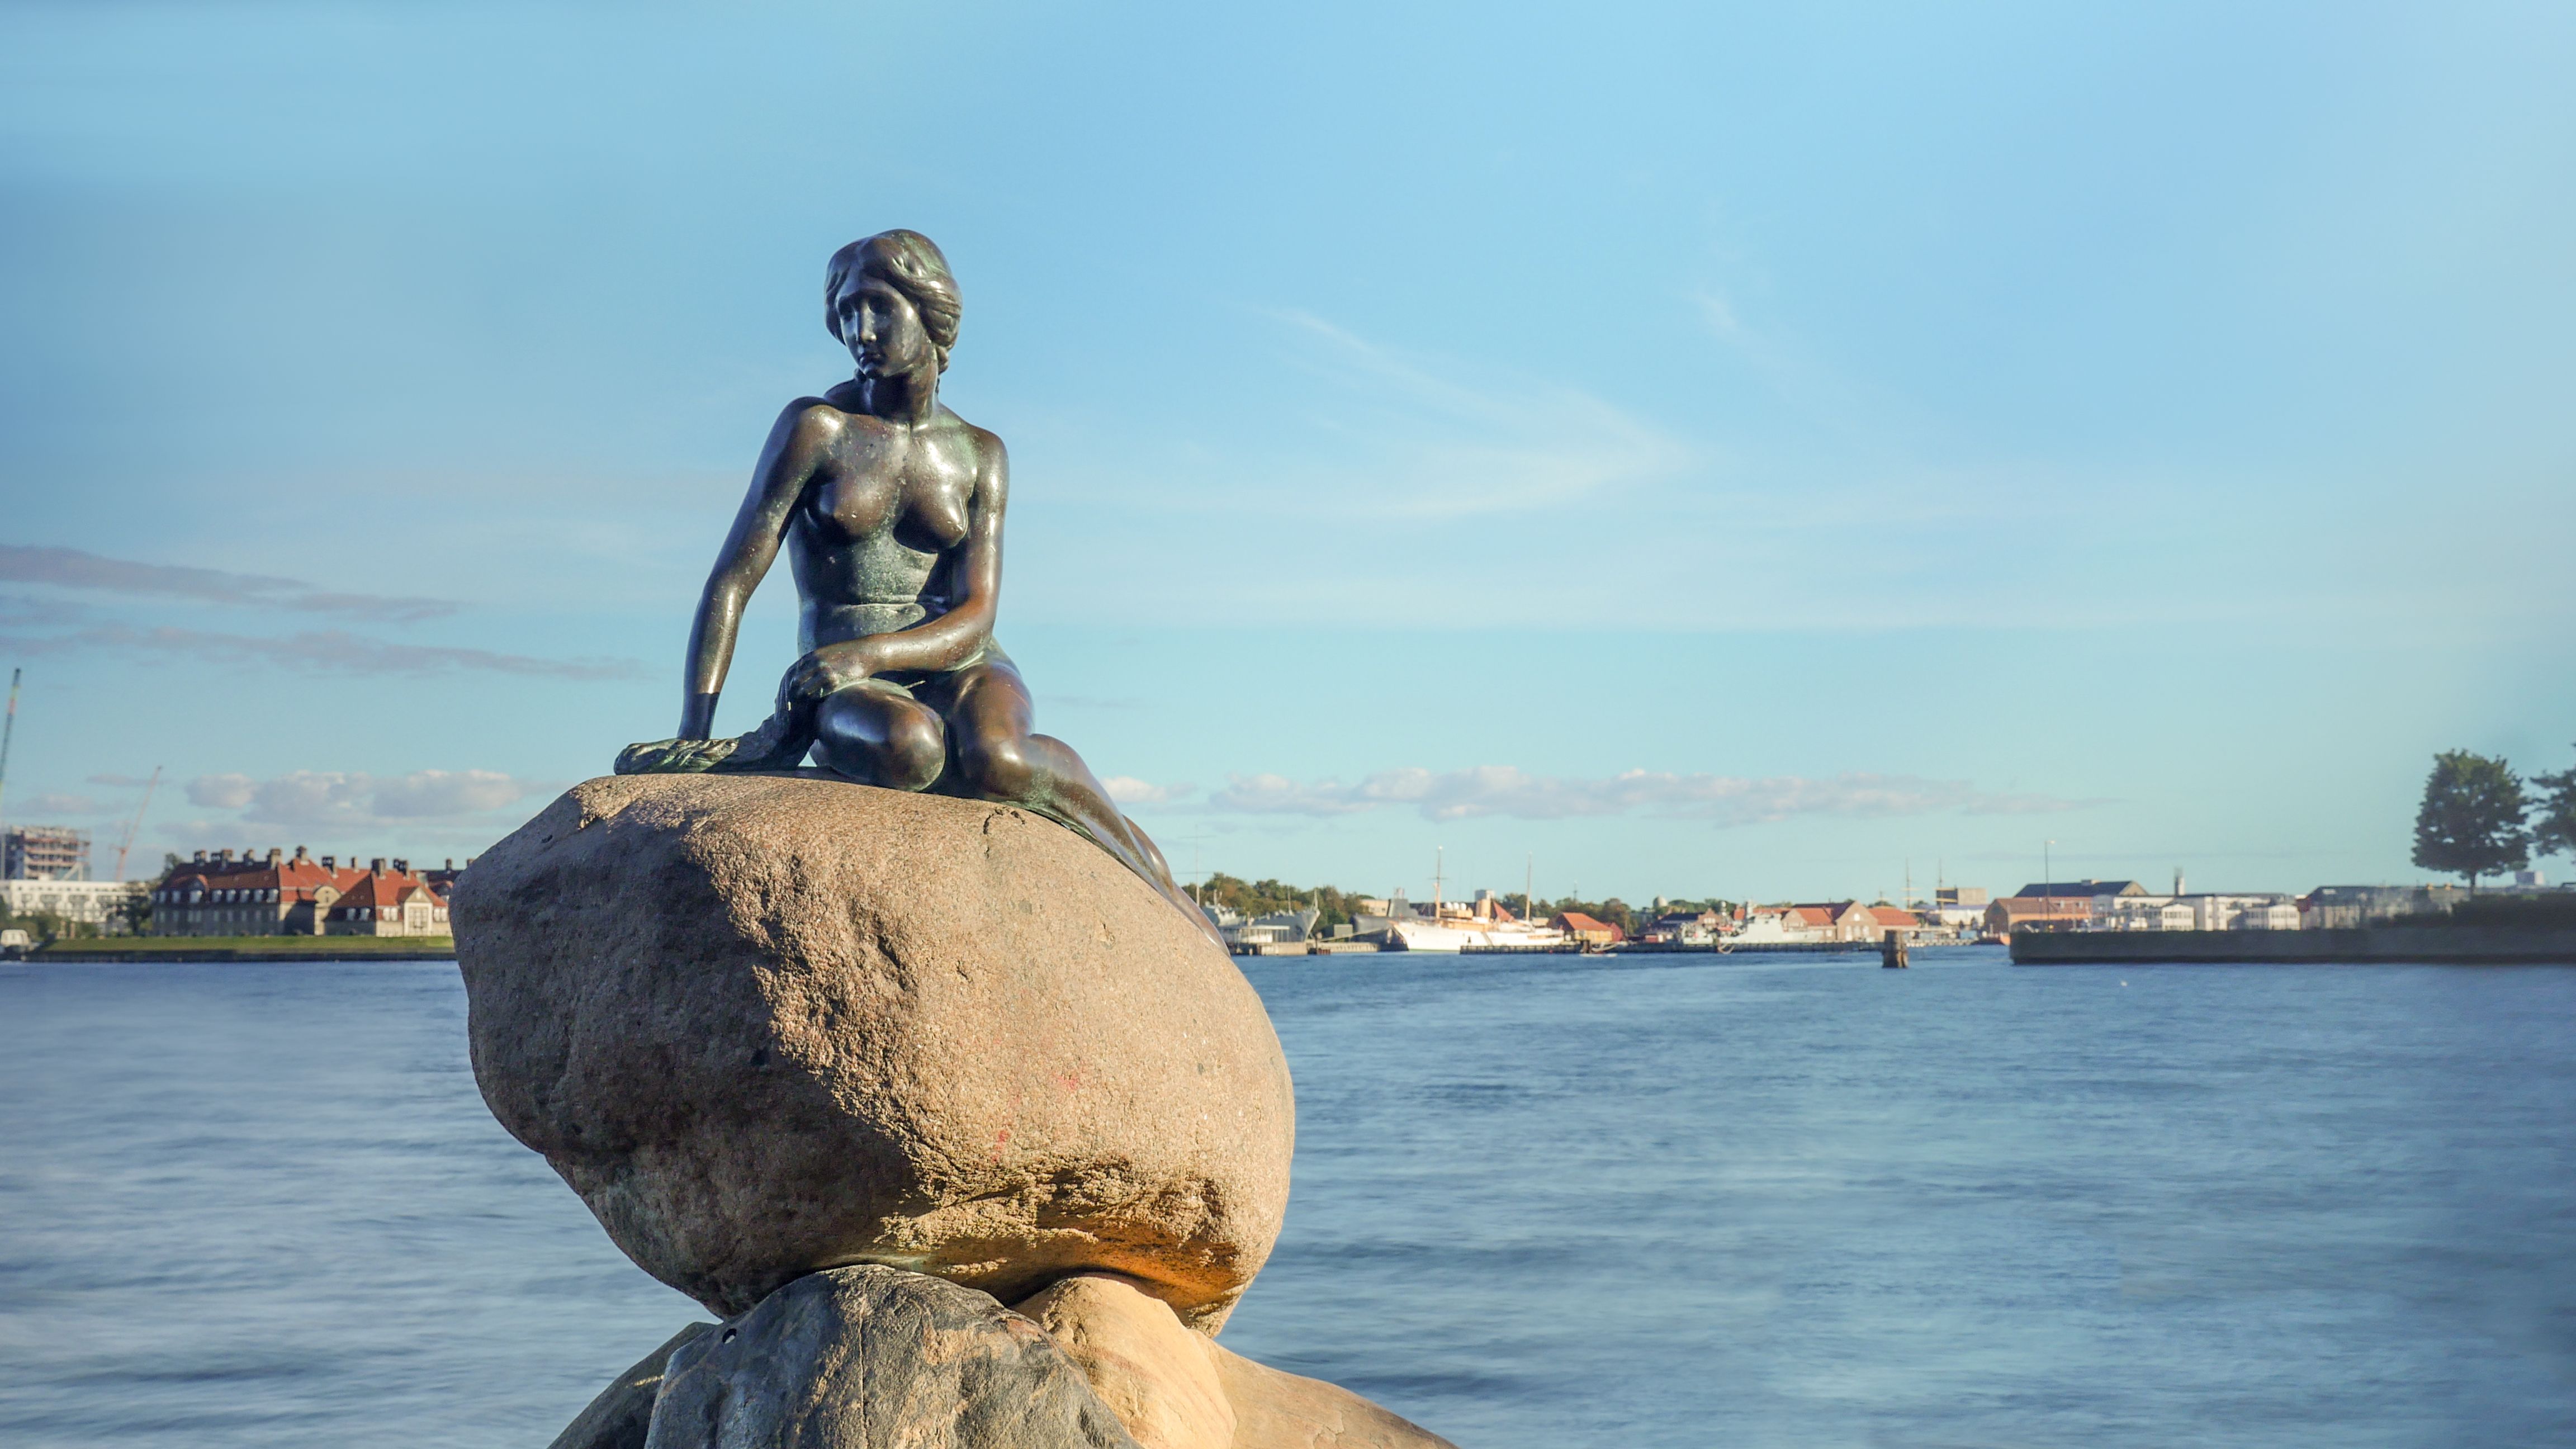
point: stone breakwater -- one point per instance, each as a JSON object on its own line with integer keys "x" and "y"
{"x": 855, "y": 1068}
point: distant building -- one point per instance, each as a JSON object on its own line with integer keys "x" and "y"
{"x": 1891, "y": 918}
{"x": 2343, "y": 908}
{"x": 44, "y": 852}
{"x": 1685, "y": 928}
{"x": 1580, "y": 927}
{"x": 1957, "y": 908}
{"x": 1840, "y": 920}
{"x": 90, "y": 902}
{"x": 2049, "y": 913}
{"x": 277, "y": 895}
{"x": 2087, "y": 889}
{"x": 387, "y": 903}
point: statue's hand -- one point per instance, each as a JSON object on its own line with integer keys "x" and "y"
{"x": 827, "y": 670}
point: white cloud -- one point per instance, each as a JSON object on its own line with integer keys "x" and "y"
{"x": 1724, "y": 800}
{"x": 448, "y": 792}
{"x": 1448, "y": 447}
{"x": 220, "y": 792}
{"x": 323, "y": 799}
{"x": 61, "y": 804}
{"x": 1128, "y": 790}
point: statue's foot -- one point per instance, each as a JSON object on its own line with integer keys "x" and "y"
{"x": 777, "y": 745}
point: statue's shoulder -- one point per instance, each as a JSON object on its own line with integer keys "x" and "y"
{"x": 986, "y": 443}
{"x": 825, "y": 420}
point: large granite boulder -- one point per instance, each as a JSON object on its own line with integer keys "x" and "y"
{"x": 770, "y": 1024}
{"x": 876, "y": 1358}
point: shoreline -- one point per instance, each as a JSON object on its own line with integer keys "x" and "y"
{"x": 218, "y": 950}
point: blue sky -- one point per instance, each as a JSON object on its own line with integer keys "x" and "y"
{"x": 1739, "y": 449}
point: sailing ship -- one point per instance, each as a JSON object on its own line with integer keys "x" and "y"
{"x": 1484, "y": 924}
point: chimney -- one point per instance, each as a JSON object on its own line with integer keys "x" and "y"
{"x": 376, "y": 866}
{"x": 2177, "y": 880}
{"x": 275, "y": 854}
{"x": 451, "y": 864}
{"x": 300, "y": 854}
{"x": 330, "y": 862}
{"x": 225, "y": 855}
{"x": 201, "y": 858}
{"x": 401, "y": 866}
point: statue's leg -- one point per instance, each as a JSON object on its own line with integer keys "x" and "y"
{"x": 999, "y": 759}
{"x": 877, "y": 734}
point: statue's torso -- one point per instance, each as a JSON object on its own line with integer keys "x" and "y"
{"x": 876, "y": 538}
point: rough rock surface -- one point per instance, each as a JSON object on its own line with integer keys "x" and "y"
{"x": 623, "y": 1413}
{"x": 874, "y": 1358}
{"x": 1274, "y": 1410}
{"x": 768, "y": 1024}
{"x": 1154, "y": 1374}
{"x": 1174, "y": 1389}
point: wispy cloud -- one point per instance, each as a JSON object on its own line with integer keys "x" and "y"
{"x": 1128, "y": 790}
{"x": 321, "y": 650}
{"x": 335, "y": 799}
{"x": 1451, "y": 447}
{"x": 1725, "y": 800}
{"x": 71, "y": 568}
{"x": 57, "y": 803}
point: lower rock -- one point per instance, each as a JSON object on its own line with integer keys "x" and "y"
{"x": 623, "y": 1413}
{"x": 876, "y": 1358}
{"x": 1274, "y": 1410}
{"x": 1175, "y": 1389}
{"x": 1152, "y": 1372}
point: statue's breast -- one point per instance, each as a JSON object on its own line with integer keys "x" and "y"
{"x": 880, "y": 484}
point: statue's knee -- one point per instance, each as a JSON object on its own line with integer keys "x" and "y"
{"x": 999, "y": 769}
{"x": 901, "y": 749}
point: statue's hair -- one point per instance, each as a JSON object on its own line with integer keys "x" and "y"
{"x": 911, "y": 264}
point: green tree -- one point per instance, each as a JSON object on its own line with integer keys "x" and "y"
{"x": 2471, "y": 820}
{"x": 2555, "y": 832}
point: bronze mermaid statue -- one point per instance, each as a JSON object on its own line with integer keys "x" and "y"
{"x": 890, "y": 506}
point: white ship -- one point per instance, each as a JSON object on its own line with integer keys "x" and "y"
{"x": 1483, "y": 924}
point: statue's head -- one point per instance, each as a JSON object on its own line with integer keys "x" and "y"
{"x": 891, "y": 301}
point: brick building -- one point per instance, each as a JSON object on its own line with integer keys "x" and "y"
{"x": 300, "y": 895}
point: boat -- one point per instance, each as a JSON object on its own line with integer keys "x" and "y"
{"x": 1481, "y": 925}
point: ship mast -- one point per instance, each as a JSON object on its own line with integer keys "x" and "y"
{"x": 1439, "y": 863}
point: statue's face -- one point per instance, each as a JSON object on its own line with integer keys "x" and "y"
{"x": 882, "y": 329}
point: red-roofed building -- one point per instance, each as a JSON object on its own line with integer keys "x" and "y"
{"x": 278, "y": 895}
{"x": 1586, "y": 929}
{"x": 1845, "y": 920}
{"x": 388, "y": 903}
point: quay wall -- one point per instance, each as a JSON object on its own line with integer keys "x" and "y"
{"x": 2500, "y": 945}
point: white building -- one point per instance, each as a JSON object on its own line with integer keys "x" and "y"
{"x": 2196, "y": 911}
{"x": 90, "y": 902}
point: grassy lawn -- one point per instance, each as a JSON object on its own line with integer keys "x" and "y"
{"x": 221, "y": 948}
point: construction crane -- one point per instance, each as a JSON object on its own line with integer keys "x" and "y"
{"x": 136, "y": 823}
{"x": 6, "y": 730}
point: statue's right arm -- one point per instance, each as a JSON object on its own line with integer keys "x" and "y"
{"x": 786, "y": 463}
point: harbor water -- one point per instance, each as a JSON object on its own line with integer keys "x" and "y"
{"x": 1539, "y": 1201}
